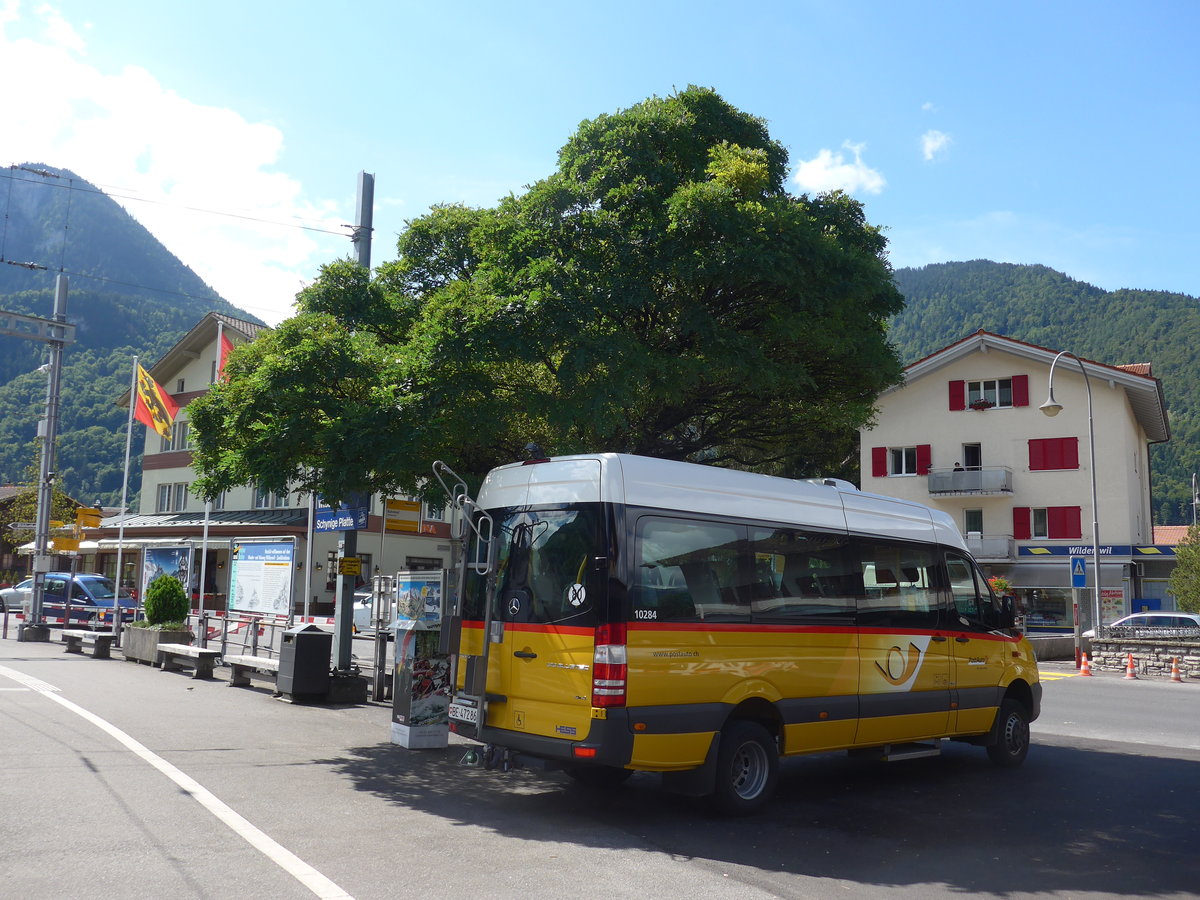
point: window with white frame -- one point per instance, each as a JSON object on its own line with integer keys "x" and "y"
{"x": 996, "y": 391}
{"x": 435, "y": 511}
{"x": 903, "y": 461}
{"x": 973, "y": 521}
{"x": 265, "y": 499}
{"x": 172, "y": 497}
{"x": 1039, "y": 523}
{"x": 178, "y": 439}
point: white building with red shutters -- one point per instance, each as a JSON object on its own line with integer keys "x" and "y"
{"x": 964, "y": 433}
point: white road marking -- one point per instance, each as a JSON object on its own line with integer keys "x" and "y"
{"x": 280, "y": 855}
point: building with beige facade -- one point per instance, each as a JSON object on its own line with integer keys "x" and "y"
{"x": 398, "y": 533}
{"x": 964, "y": 433}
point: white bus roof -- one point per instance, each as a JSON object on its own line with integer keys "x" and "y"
{"x": 826, "y": 504}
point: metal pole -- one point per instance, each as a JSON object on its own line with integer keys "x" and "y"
{"x": 308, "y": 555}
{"x": 125, "y": 495}
{"x": 49, "y": 432}
{"x": 343, "y": 622}
{"x": 1046, "y": 407}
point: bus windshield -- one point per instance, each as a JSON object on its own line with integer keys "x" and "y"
{"x": 544, "y": 558}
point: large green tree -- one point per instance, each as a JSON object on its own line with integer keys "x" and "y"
{"x": 1185, "y": 577}
{"x": 660, "y": 293}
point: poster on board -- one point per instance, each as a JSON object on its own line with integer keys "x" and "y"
{"x": 260, "y": 578}
{"x": 419, "y": 599}
{"x": 174, "y": 561}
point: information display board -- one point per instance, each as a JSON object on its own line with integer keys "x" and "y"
{"x": 260, "y": 579}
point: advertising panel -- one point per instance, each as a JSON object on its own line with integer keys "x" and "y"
{"x": 260, "y": 580}
{"x": 419, "y": 600}
{"x": 175, "y": 561}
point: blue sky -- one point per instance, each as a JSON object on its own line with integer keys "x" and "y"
{"x": 1061, "y": 133}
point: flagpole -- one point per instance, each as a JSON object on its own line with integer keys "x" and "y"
{"x": 202, "y": 619}
{"x": 124, "y": 499}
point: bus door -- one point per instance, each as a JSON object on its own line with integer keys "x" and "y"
{"x": 981, "y": 649}
{"x": 548, "y": 602}
{"x": 904, "y": 651}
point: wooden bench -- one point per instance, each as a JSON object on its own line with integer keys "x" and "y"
{"x": 173, "y": 657}
{"x": 101, "y": 641}
{"x": 241, "y": 667}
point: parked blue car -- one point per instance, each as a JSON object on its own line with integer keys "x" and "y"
{"x": 91, "y": 599}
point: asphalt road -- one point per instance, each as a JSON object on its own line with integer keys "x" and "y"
{"x": 118, "y": 780}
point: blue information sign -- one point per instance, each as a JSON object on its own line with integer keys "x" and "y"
{"x": 1078, "y": 571}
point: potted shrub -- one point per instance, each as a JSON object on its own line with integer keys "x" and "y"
{"x": 166, "y": 621}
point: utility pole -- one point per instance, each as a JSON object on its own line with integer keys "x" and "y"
{"x": 36, "y": 629}
{"x": 343, "y": 621}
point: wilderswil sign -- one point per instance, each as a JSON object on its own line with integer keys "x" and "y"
{"x": 1140, "y": 551}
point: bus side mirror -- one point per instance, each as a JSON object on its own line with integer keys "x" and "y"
{"x": 1008, "y": 611}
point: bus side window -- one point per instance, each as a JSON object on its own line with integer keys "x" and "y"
{"x": 973, "y": 604}
{"x": 698, "y": 569}
{"x": 900, "y": 586}
{"x": 807, "y": 577}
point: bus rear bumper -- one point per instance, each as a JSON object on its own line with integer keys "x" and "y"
{"x": 609, "y": 743}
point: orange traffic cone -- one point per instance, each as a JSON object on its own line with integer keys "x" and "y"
{"x": 1175, "y": 676}
{"x": 1085, "y": 669}
{"x": 1130, "y": 672}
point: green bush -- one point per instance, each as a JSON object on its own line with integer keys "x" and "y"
{"x": 166, "y": 601}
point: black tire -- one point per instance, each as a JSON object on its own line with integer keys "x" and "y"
{"x": 747, "y": 769}
{"x": 1010, "y": 736}
{"x": 603, "y": 777}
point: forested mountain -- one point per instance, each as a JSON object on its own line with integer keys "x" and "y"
{"x": 948, "y": 301}
{"x": 128, "y": 296}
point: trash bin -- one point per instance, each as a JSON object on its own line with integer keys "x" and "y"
{"x": 304, "y": 658}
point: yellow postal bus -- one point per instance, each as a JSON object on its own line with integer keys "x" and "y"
{"x": 622, "y": 614}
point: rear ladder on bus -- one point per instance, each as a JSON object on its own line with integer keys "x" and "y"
{"x": 468, "y": 706}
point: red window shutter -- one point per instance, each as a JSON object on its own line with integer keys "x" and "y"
{"x": 1020, "y": 390}
{"x": 924, "y": 458}
{"x": 1021, "y": 527}
{"x": 958, "y": 395}
{"x": 1037, "y": 455}
{"x": 1070, "y": 453}
{"x": 1072, "y": 524}
{"x": 1053, "y": 453}
{"x": 1056, "y": 527}
{"x": 879, "y": 462}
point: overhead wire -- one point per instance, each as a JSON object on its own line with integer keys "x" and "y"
{"x": 72, "y": 186}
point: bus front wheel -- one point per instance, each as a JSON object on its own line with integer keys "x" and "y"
{"x": 1010, "y": 742}
{"x": 747, "y": 769}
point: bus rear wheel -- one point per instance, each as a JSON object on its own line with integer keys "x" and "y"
{"x": 747, "y": 769}
{"x": 1010, "y": 742}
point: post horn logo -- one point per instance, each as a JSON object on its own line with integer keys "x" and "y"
{"x": 900, "y": 667}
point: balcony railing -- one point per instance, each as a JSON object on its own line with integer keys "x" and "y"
{"x": 990, "y": 546}
{"x": 994, "y": 480}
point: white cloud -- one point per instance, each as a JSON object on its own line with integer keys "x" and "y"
{"x": 165, "y": 159}
{"x": 928, "y": 106}
{"x": 830, "y": 171}
{"x": 934, "y": 142}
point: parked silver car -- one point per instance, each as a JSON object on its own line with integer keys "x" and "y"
{"x": 1151, "y": 624}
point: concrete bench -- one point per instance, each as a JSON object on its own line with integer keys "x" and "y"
{"x": 241, "y": 667}
{"x": 173, "y": 657}
{"x": 100, "y": 641}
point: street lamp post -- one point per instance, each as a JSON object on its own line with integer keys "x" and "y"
{"x": 1052, "y": 408}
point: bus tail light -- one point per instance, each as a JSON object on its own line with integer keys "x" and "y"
{"x": 609, "y": 666}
